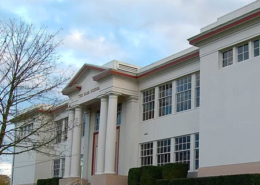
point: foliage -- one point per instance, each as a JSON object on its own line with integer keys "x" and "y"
{"x": 134, "y": 176}
{"x": 4, "y": 180}
{"x": 52, "y": 181}
{"x": 149, "y": 174}
{"x": 247, "y": 179}
{"x": 174, "y": 170}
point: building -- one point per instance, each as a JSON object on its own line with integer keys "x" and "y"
{"x": 199, "y": 106}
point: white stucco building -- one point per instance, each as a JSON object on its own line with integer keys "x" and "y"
{"x": 199, "y": 106}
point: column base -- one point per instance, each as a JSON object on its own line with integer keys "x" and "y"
{"x": 108, "y": 179}
{"x": 109, "y": 173}
{"x": 68, "y": 180}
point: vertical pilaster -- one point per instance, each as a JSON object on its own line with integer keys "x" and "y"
{"x": 172, "y": 150}
{"x": 192, "y": 152}
{"x": 69, "y": 143}
{"x": 111, "y": 135}
{"x": 102, "y": 135}
{"x": 193, "y": 90}
{"x": 76, "y": 143}
{"x": 154, "y": 153}
{"x": 156, "y": 102}
{"x": 86, "y": 144}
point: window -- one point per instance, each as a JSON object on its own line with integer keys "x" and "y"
{"x": 58, "y": 167}
{"x": 227, "y": 58}
{"x": 163, "y": 152}
{"x": 97, "y": 121}
{"x": 119, "y": 113}
{"x": 66, "y": 128}
{"x": 84, "y": 124}
{"x": 146, "y": 154}
{"x": 148, "y": 104}
{"x": 81, "y": 164}
{"x": 183, "y": 94}
{"x": 58, "y": 131}
{"x": 27, "y": 129}
{"x": 196, "y": 151}
{"x": 256, "y": 48}
{"x": 165, "y": 99}
{"x": 182, "y": 149}
{"x": 242, "y": 53}
{"x": 197, "y": 90}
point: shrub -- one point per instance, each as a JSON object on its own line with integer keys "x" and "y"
{"x": 248, "y": 179}
{"x": 149, "y": 174}
{"x": 174, "y": 170}
{"x": 134, "y": 176}
{"x": 52, "y": 181}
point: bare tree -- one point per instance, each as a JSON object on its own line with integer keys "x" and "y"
{"x": 29, "y": 75}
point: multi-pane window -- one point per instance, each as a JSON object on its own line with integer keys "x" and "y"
{"x": 146, "y": 154}
{"x": 163, "y": 152}
{"x": 242, "y": 53}
{"x": 183, "y": 93}
{"x": 165, "y": 99}
{"x": 148, "y": 104}
{"x": 56, "y": 168}
{"x": 97, "y": 121}
{"x": 58, "y": 131}
{"x": 182, "y": 149}
{"x": 197, "y": 151}
{"x": 119, "y": 114}
{"x": 62, "y": 166}
{"x": 66, "y": 128}
{"x": 227, "y": 58}
{"x": 197, "y": 90}
{"x": 25, "y": 130}
{"x": 256, "y": 48}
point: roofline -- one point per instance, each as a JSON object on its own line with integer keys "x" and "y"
{"x": 222, "y": 28}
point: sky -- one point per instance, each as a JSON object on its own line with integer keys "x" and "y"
{"x": 138, "y": 32}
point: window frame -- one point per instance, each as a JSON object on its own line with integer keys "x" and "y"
{"x": 97, "y": 123}
{"x": 58, "y": 131}
{"x": 119, "y": 114}
{"x": 163, "y": 152}
{"x": 163, "y": 97}
{"x": 179, "y": 141}
{"x": 243, "y": 53}
{"x": 196, "y": 151}
{"x": 148, "y": 112}
{"x": 182, "y": 93}
{"x": 256, "y": 48}
{"x": 146, "y": 148}
{"x": 197, "y": 90}
{"x": 58, "y": 168}
{"x": 227, "y": 51}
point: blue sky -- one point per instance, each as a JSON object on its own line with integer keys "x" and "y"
{"x": 139, "y": 32}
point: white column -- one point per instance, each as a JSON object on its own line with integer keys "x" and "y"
{"x": 156, "y": 102}
{"x": 155, "y": 153}
{"x": 102, "y": 135}
{"x": 86, "y": 144}
{"x": 174, "y": 97}
{"x": 111, "y": 135}
{"x": 193, "y": 89}
{"x": 76, "y": 143}
{"x": 69, "y": 143}
{"x": 192, "y": 152}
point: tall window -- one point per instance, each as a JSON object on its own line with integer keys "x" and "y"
{"x": 27, "y": 129}
{"x": 56, "y": 168}
{"x": 119, "y": 113}
{"x": 165, "y": 99}
{"x": 83, "y": 124}
{"x": 81, "y": 164}
{"x": 147, "y": 154}
{"x": 59, "y": 167}
{"x": 163, "y": 152}
{"x": 66, "y": 129}
{"x": 182, "y": 149}
{"x": 242, "y": 53}
{"x": 197, "y": 151}
{"x": 197, "y": 90}
{"x": 256, "y": 48}
{"x": 227, "y": 58}
{"x": 148, "y": 104}
{"x": 183, "y": 94}
{"x": 58, "y": 131}
{"x": 97, "y": 121}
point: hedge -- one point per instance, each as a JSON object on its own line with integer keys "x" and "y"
{"x": 52, "y": 181}
{"x": 247, "y": 179}
{"x": 134, "y": 176}
{"x": 174, "y": 171}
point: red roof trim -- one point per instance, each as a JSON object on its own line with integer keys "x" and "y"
{"x": 225, "y": 27}
{"x": 169, "y": 64}
{"x": 80, "y": 73}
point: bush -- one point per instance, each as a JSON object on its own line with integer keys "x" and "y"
{"x": 248, "y": 179}
{"x": 149, "y": 174}
{"x": 52, "y": 181}
{"x": 134, "y": 175}
{"x": 174, "y": 171}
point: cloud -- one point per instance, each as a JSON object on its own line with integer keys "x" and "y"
{"x": 5, "y": 168}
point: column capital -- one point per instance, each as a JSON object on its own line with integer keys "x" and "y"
{"x": 132, "y": 99}
{"x": 87, "y": 111}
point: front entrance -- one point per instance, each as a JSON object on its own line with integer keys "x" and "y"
{"x": 95, "y": 151}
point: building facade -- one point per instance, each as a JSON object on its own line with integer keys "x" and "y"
{"x": 199, "y": 106}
